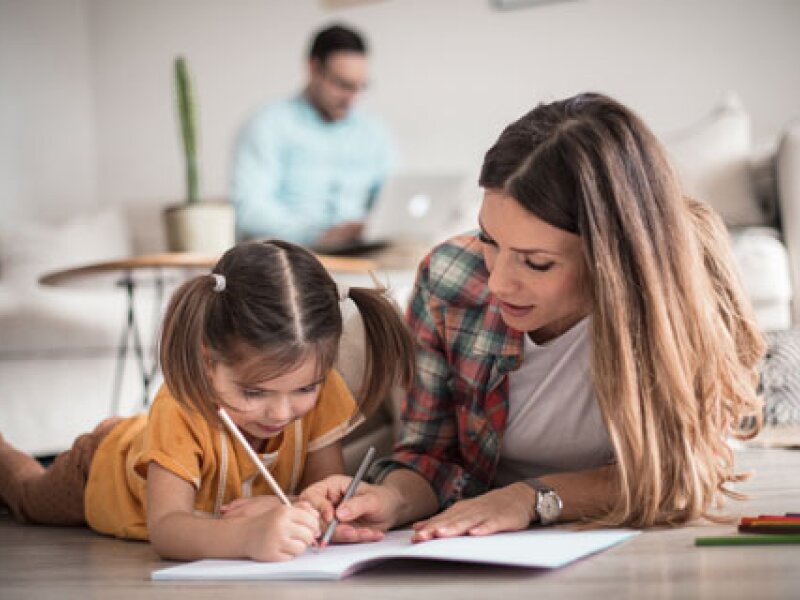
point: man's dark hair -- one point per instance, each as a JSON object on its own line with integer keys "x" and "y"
{"x": 336, "y": 38}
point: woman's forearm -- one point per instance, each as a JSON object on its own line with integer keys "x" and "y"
{"x": 414, "y": 496}
{"x": 586, "y": 493}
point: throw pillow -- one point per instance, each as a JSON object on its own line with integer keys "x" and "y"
{"x": 712, "y": 158}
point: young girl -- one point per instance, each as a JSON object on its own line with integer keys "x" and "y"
{"x": 258, "y": 337}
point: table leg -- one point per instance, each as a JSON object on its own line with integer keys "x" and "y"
{"x": 122, "y": 349}
{"x": 130, "y": 332}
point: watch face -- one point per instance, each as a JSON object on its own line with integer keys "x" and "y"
{"x": 549, "y": 507}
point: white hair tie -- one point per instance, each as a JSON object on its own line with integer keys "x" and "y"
{"x": 219, "y": 282}
{"x": 344, "y": 292}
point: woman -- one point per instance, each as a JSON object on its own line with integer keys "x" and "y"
{"x": 584, "y": 357}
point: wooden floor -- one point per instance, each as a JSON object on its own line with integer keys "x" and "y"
{"x": 65, "y": 563}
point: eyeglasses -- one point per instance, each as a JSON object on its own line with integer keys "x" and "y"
{"x": 351, "y": 87}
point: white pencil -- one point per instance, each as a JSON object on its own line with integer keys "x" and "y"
{"x": 253, "y": 456}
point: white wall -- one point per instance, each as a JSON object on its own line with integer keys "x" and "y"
{"x": 447, "y": 75}
{"x": 47, "y": 121}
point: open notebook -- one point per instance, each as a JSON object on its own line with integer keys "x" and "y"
{"x": 534, "y": 548}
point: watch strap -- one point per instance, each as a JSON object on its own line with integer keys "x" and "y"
{"x": 538, "y": 485}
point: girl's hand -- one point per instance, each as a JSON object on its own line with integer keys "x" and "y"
{"x": 282, "y": 533}
{"x": 249, "y": 507}
{"x": 362, "y": 518}
{"x": 506, "y": 509}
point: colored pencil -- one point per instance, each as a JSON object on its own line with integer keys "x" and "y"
{"x": 748, "y": 540}
{"x": 789, "y": 521}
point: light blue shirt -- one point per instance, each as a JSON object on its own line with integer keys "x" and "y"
{"x": 295, "y": 174}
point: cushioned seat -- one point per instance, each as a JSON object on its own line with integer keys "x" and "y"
{"x": 755, "y": 191}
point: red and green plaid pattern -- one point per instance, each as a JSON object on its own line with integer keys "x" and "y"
{"x": 454, "y": 416}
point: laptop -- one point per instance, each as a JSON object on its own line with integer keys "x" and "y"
{"x": 420, "y": 207}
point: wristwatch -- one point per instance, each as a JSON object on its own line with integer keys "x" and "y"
{"x": 548, "y": 502}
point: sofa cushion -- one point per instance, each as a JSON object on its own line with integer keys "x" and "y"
{"x": 712, "y": 158}
{"x": 60, "y": 323}
{"x": 42, "y": 320}
{"x": 29, "y": 248}
{"x": 762, "y": 263}
{"x": 763, "y": 266}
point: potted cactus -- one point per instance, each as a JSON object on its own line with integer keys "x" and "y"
{"x": 203, "y": 227}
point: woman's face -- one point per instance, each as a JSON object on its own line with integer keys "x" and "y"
{"x": 536, "y": 271}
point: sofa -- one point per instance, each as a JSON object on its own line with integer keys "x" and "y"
{"x": 756, "y": 190}
{"x": 58, "y": 345}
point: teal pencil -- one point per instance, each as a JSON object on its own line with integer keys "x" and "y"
{"x": 748, "y": 540}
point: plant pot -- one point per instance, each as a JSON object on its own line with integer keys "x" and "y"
{"x": 202, "y": 227}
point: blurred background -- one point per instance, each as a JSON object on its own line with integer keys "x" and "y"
{"x": 90, "y": 151}
{"x": 87, "y": 113}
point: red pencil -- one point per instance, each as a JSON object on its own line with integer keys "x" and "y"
{"x": 770, "y": 519}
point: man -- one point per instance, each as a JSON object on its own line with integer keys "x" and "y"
{"x": 307, "y": 168}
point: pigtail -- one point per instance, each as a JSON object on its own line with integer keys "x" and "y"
{"x": 389, "y": 356}
{"x": 182, "y": 343}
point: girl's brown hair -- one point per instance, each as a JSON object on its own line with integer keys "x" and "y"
{"x": 674, "y": 345}
{"x": 279, "y": 306}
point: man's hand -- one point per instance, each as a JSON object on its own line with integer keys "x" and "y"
{"x": 339, "y": 235}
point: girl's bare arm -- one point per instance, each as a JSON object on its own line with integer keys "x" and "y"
{"x": 176, "y": 532}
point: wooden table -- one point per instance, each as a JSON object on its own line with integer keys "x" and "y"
{"x": 67, "y": 563}
{"x": 157, "y": 271}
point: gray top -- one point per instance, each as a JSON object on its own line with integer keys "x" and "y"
{"x": 554, "y": 422}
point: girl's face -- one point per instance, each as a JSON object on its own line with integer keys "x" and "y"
{"x": 263, "y": 409}
{"x": 536, "y": 271}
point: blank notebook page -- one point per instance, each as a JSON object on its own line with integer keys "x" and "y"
{"x": 534, "y": 548}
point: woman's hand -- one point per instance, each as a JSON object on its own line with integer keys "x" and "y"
{"x": 506, "y": 509}
{"x": 282, "y": 533}
{"x": 249, "y": 507}
{"x": 362, "y": 518}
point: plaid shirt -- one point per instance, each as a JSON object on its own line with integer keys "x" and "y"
{"x": 454, "y": 416}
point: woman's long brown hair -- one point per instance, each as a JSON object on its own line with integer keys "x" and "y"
{"x": 279, "y": 307}
{"x": 674, "y": 345}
